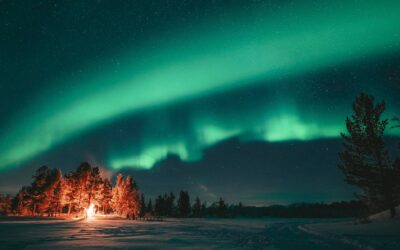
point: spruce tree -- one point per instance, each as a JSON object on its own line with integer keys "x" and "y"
{"x": 184, "y": 204}
{"x": 197, "y": 208}
{"x": 365, "y": 160}
{"x": 149, "y": 208}
{"x": 221, "y": 208}
{"x": 142, "y": 206}
{"x": 106, "y": 196}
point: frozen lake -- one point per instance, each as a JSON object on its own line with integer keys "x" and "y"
{"x": 114, "y": 233}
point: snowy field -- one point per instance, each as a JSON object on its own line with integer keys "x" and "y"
{"x": 114, "y": 233}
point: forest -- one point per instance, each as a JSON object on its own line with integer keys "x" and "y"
{"x": 53, "y": 195}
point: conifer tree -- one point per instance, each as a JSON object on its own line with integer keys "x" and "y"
{"x": 132, "y": 198}
{"x": 221, "y": 208}
{"x": 38, "y": 195}
{"x": 117, "y": 194}
{"x": 55, "y": 192}
{"x": 106, "y": 197}
{"x": 142, "y": 205}
{"x": 23, "y": 201}
{"x": 83, "y": 174}
{"x": 365, "y": 160}
{"x": 149, "y": 208}
{"x": 184, "y": 204}
{"x": 197, "y": 208}
{"x": 71, "y": 191}
{"x": 5, "y": 204}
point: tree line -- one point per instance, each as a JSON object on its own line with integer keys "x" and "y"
{"x": 166, "y": 206}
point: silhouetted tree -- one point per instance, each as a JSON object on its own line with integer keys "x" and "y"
{"x": 221, "y": 208}
{"x": 203, "y": 209}
{"x": 149, "y": 208}
{"x": 142, "y": 206}
{"x": 184, "y": 204}
{"x": 196, "y": 210}
{"x": 159, "y": 206}
{"x": 365, "y": 161}
{"x": 169, "y": 204}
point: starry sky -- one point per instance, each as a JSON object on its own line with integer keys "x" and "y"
{"x": 201, "y": 95}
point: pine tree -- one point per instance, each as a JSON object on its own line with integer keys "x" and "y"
{"x": 365, "y": 160}
{"x": 82, "y": 182}
{"x": 149, "y": 208}
{"x": 23, "y": 203}
{"x": 117, "y": 194}
{"x": 55, "y": 192}
{"x": 106, "y": 197}
{"x": 197, "y": 208}
{"x": 203, "y": 209}
{"x": 94, "y": 187}
{"x": 158, "y": 207}
{"x": 38, "y": 192}
{"x": 71, "y": 191}
{"x": 221, "y": 208}
{"x": 142, "y": 206}
{"x": 5, "y": 204}
{"x": 184, "y": 204}
{"x": 169, "y": 204}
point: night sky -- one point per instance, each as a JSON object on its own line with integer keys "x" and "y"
{"x": 240, "y": 99}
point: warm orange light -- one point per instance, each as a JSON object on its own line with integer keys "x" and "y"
{"x": 90, "y": 211}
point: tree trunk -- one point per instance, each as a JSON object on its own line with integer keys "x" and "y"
{"x": 69, "y": 209}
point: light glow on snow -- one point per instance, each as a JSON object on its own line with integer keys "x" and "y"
{"x": 90, "y": 212}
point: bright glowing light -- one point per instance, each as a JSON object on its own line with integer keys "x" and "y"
{"x": 90, "y": 212}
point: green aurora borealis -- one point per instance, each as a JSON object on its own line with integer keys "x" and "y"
{"x": 209, "y": 57}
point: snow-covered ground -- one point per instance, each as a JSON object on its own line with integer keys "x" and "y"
{"x": 115, "y": 233}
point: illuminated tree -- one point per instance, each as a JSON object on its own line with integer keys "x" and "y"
{"x": 55, "y": 192}
{"x": 106, "y": 196}
{"x": 23, "y": 202}
{"x": 39, "y": 194}
{"x": 5, "y": 204}
{"x": 117, "y": 194}
{"x": 71, "y": 191}
{"x": 132, "y": 198}
{"x": 83, "y": 182}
